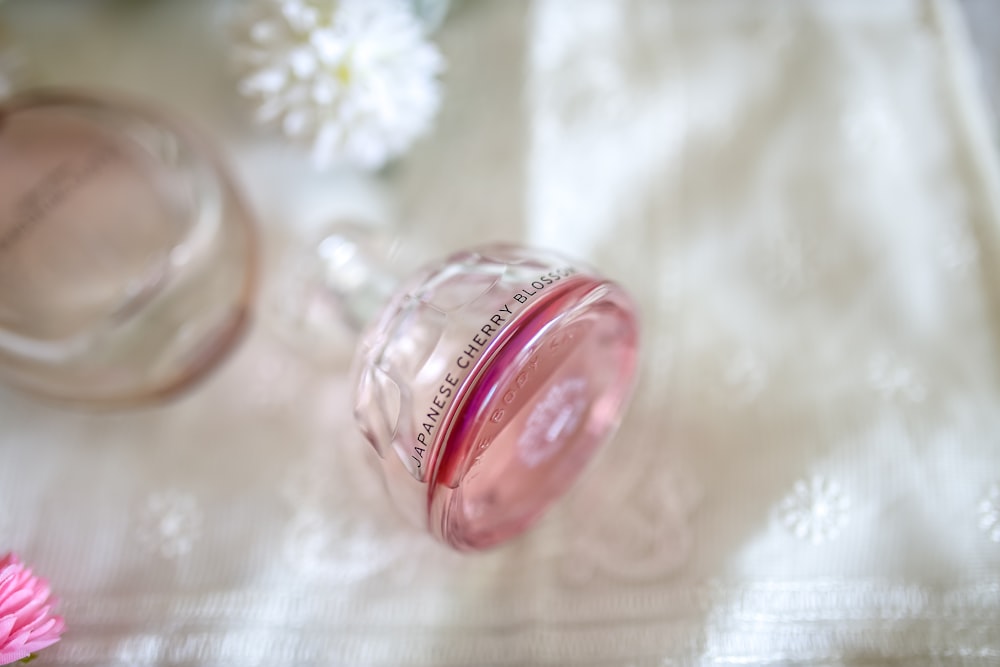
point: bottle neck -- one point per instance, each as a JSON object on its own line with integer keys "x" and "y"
{"x": 357, "y": 272}
{"x": 328, "y": 291}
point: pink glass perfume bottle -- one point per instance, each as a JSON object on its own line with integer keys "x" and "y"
{"x": 126, "y": 254}
{"x": 488, "y": 382}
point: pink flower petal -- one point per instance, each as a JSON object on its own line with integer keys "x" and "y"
{"x": 15, "y": 642}
{"x": 6, "y": 625}
{"x": 10, "y": 584}
{"x": 15, "y": 602}
{"x": 26, "y": 622}
{"x": 10, "y": 657}
{"x": 19, "y": 578}
{"x": 46, "y": 636}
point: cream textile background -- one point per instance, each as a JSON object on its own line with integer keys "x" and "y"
{"x": 805, "y": 198}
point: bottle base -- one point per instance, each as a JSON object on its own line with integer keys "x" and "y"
{"x": 548, "y": 398}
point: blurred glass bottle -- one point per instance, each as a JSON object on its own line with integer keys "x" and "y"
{"x": 126, "y": 254}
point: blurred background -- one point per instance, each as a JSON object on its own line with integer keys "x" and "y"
{"x": 804, "y": 197}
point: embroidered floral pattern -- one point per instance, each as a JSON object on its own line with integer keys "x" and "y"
{"x": 170, "y": 523}
{"x": 989, "y": 513}
{"x": 647, "y": 543}
{"x": 869, "y": 128}
{"x": 788, "y": 260}
{"x": 594, "y": 86}
{"x": 894, "y": 380}
{"x": 816, "y": 510}
{"x": 746, "y": 375}
{"x": 326, "y": 544}
{"x": 271, "y": 385}
{"x": 958, "y": 251}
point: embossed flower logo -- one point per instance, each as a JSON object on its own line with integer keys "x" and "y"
{"x": 989, "y": 513}
{"x": 816, "y": 510}
{"x": 555, "y": 417}
{"x": 170, "y": 524}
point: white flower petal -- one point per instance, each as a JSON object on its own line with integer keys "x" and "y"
{"x": 330, "y": 48}
{"x": 302, "y": 63}
{"x": 264, "y": 32}
{"x": 324, "y": 91}
{"x": 300, "y": 16}
{"x": 296, "y": 122}
{"x": 265, "y": 81}
{"x": 270, "y": 110}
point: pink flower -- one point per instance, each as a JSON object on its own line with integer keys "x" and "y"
{"x": 26, "y": 624}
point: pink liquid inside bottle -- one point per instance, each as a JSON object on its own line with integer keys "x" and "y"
{"x": 487, "y": 385}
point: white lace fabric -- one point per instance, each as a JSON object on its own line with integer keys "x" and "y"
{"x": 805, "y": 199}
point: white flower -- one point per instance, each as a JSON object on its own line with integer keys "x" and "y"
{"x": 357, "y": 78}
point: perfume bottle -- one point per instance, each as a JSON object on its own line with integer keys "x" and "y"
{"x": 487, "y": 381}
{"x": 126, "y": 254}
